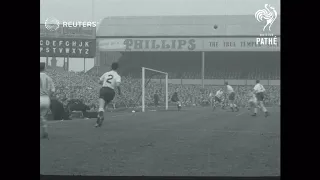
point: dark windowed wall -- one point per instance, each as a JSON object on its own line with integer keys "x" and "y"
{"x": 237, "y": 65}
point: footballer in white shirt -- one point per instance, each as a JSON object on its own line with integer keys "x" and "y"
{"x": 109, "y": 80}
{"x": 217, "y": 99}
{"x": 259, "y": 91}
{"x": 232, "y": 96}
{"x": 46, "y": 91}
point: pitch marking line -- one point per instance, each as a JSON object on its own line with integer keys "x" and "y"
{"x": 200, "y": 130}
{"x": 241, "y": 113}
{"x": 114, "y": 116}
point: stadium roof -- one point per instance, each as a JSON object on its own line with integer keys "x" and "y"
{"x": 228, "y": 25}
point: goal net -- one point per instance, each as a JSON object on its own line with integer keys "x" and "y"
{"x": 154, "y": 89}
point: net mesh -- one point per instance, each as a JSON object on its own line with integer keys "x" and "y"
{"x": 154, "y": 90}
{"x": 131, "y": 98}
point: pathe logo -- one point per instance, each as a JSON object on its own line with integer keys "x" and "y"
{"x": 267, "y": 15}
{"x": 52, "y": 24}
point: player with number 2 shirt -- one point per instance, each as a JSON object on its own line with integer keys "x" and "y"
{"x": 109, "y": 80}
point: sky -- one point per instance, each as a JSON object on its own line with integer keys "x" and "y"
{"x": 96, "y": 10}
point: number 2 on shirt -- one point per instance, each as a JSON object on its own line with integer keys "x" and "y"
{"x": 110, "y": 77}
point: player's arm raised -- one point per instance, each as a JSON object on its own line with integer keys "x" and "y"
{"x": 101, "y": 79}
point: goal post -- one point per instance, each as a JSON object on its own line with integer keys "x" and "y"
{"x": 144, "y": 69}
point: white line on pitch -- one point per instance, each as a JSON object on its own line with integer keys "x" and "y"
{"x": 58, "y": 121}
{"x": 240, "y": 113}
{"x": 206, "y": 130}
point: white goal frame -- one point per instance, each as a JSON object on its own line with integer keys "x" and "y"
{"x": 143, "y": 86}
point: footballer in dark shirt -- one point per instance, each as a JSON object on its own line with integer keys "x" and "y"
{"x": 175, "y": 99}
{"x": 156, "y": 99}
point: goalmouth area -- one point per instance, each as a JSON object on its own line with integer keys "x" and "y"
{"x": 166, "y": 94}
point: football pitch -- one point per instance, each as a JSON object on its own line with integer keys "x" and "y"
{"x": 192, "y": 142}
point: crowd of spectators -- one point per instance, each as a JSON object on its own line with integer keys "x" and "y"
{"x": 83, "y": 86}
{"x": 74, "y": 85}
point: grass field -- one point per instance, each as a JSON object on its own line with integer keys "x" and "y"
{"x": 192, "y": 142}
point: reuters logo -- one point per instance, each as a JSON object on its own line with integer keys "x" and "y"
{"x": 52, "y": 24}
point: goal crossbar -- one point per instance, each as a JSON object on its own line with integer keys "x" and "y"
{"x": 154, "y": 70}
{"x": 143, "y": 86}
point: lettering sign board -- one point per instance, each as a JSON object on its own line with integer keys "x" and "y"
{"x": 62, "y": 47}
{"x": 191, "y": 44}
{"x": 111, "y": 44}
{"x": 242, "y": 44}
{"x": 167, "y": 44}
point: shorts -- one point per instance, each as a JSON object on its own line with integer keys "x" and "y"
{"x": 232, "y": 96}
{"x": 260, "y": 96}
{"x": 107, "y": 94}
{"x": 44, "y": 105}
{"x": 216, "y": 99}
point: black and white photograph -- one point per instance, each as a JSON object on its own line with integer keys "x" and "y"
{"x": 160, "y": 88}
